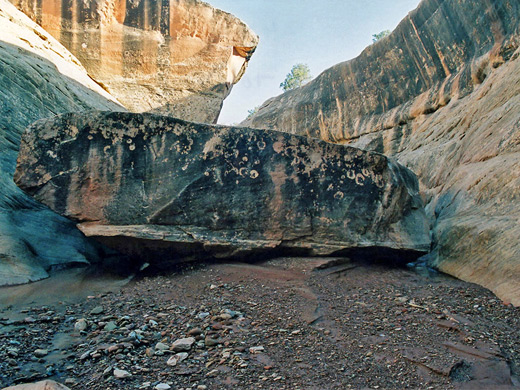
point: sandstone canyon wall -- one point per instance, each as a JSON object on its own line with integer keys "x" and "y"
{"x": 173, "y": 57}
{"x": 202, "y": 53}
{"x": 38, "y": 78}
{"x": 442, "y": 93}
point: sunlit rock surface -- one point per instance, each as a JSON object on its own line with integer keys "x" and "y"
{"x": 174, "y": 57}
{"x": 165, "y": 189}
{"x": 442, "y": 94}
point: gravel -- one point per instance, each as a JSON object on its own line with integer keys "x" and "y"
{"x": 288, "y": 323}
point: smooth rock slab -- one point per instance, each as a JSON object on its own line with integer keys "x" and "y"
{"x": 148, "y": 184}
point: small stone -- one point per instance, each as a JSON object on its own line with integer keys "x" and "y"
{"x": 85, "y": 355}
{"x": 113, "y": 348}
{"x": 81, "y": 325}
{"x": 97, "y": 310}
{"x": 183, "y": 345}
{"x": 110, "y": 326}
{"x": 121, "y": 374}
{"x": 212, "y": 373}
{"x": 255, "y": 350}
{"x": 210, "y": 342}
{"x": 232, "y": 313}
{"x": 162, "y": 347}
{"x": 71, "y": 381}
{"x": 202, "y": 387}
{"x": 162, "y": 386}
{"x": 195, "y": 332}
{"x": 41, "y": 353}
{"x": 176, "y": 359}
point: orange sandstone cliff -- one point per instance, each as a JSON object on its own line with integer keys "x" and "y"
{"x": 442, "y": 94}
{"x": 174, "y": 57}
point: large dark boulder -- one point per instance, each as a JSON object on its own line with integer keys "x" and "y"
{"x": 150, "y": 184}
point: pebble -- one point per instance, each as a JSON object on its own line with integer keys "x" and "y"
{"x": 41, "y": 353}
{"x": 110, "y": 326}
{"x": 97, "y": 310}
{"x": 258, "y": 349}
{"x": 212, "y": 373}
{"x": 195, "y": 332}
{"x": 209, "y": 342}
{"x": 162, "y": 386}
{"x": 183, "y": 345}
{"x": 121, "y": 374}
{"x": 113, "y": 348}
{"x": 176, "y": 359}
{"x": 162, "y": 346}
{"x": 81, "y": 325}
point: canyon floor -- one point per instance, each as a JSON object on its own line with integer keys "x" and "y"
{"x": 287, "y": 323}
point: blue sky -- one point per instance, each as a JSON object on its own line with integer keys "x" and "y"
{"x": 317, "y": 33}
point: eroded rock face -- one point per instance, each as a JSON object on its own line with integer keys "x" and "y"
{"x": 173, "y": 57}
{"x": 38, "y": 79}
{"x": 150, "y": 184}
{"x": 442, "y": 94}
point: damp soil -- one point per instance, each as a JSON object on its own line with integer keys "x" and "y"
{"x": 287, "y": 323}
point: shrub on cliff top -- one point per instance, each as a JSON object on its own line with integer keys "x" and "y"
{"x": 299, "y": 75}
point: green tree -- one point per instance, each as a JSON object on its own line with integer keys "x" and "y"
{"x": 382, "y": 34}
{"x": 300, "y": 74}
{"x": 252, "y": 112}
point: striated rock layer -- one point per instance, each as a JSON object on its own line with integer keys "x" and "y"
{"x": 442, "y": 94}
{"x": 174, "y": 57}
{"x": 150, "y": 185}
{"x": 39, "y": 78}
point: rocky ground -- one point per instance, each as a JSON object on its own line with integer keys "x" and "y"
{"x": 283, "y": 324}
